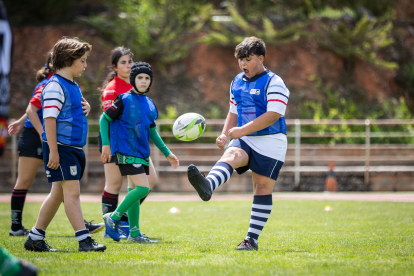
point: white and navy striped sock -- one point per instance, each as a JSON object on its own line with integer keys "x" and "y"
{"x": 37, "y": 234}
{"x": 82, "y": 234}
{"x": 261, "y": 208}
{"x": 219, "y": 174}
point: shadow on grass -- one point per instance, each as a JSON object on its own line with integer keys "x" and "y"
{"x": 151, "y": 243}
{"x": 289, "y": 251}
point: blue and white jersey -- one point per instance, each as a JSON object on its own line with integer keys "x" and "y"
{"x": 61, "y": 99}
{"x": 250, "y": 98}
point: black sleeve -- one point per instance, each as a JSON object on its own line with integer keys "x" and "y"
{"x": 154, "y": 124}
{"x": 116, "y": 109}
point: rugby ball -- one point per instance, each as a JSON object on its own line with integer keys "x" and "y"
{"x": 189, "y": 126}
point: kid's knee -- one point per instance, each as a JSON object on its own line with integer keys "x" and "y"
{"x": 263, "y": 188}
{"x": 71, "y": 193}
{"x": 236, "y": 157}
{"x": 23, "y": 184}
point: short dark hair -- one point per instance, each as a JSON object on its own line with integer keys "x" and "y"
{"x": 250, "y": 46}
{"x": 67, "y": 50}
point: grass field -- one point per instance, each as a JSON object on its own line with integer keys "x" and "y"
{"x": 300, "y": 238}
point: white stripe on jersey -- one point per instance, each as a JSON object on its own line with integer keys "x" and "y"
{"x": 277, "y": 95}
{"x": 233, "y": 105}
{"x": 53, "y": 99}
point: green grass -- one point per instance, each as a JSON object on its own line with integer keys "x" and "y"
{"x": 300, "y": 238}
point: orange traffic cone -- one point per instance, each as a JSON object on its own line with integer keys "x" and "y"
{"x": 330, "y": 183}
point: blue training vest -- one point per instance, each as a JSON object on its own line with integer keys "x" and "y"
{"x": 27, "y": 123}
{"x": 131, "y": 133}
{"x": 71, "y": 123}
{"x": 251, "y": 99}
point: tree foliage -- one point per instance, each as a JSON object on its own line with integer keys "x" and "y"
{"x": 159, "y": 29}
{"x": 363, "y": 40}
{"x": 348, "y": 30}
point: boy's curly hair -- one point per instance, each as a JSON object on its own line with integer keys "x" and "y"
{"x": 250, "y": 46}
{"x": 67, "y": 50}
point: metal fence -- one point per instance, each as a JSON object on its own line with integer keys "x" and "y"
{"x": 298, "y": 134}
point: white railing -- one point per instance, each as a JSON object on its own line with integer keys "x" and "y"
{"x": 298, "y": 135}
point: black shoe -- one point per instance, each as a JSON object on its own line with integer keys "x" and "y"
{"x": 89, "y": 244}
{"x": 27, "y": 269}
{"x": 199, "y": 182}
{"x": 38, "y": 246}
{"x": 248, "y": 244}
{"x": 21, "y": 232}
{"x": 94, "y": 227}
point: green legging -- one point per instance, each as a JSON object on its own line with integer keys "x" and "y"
{"x": 131, "y": 204}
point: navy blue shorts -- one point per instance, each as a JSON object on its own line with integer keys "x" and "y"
{"x": 258, "y": 163}
{"x": 29, "y": 144}
{"x": 71, "y": 163}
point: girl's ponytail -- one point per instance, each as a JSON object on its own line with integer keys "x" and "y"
{"x": 43, "y": 72}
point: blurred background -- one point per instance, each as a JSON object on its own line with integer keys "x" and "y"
{"x": 341, "y": 60}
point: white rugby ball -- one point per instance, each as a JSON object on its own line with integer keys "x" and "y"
{"x": 189, "y": 126}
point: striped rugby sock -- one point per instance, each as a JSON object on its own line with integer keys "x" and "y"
{"x": 261, "y": 208}
{"x": 37, "y": 234}
{"x": 219, "y": 174}
{"x": 82, "y": 234}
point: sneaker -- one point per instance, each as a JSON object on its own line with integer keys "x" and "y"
{"x": 121, "y": 235}
{"x": 38, "y": 246}
{"x": 199, "y": 182}
{"x": 124, "y": 228}
{"x": 89, "y": 244}
{"x": 27, "y": 269}
{"x": 111, "y": 227}
{"x": 141, "y": 239}
{"x": 94, "y": 227}
{"x": 248, "y": 244}
{"x": 21, "y": 232}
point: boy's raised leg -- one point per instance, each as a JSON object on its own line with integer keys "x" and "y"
{"x": 232, "y": 158}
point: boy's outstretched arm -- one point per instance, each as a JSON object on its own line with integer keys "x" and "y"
{"x": 50, "y": 129}
{"x": 257, "y": 124}
{"x": 231, "y": 122}
{"x": 104, "y": 129}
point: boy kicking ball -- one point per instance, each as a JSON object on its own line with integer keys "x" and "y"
{"x": 256, "y": 124}
{"x": 64, "y": 134}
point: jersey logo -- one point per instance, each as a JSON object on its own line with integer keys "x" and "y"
{"x": 255, "y": 91}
